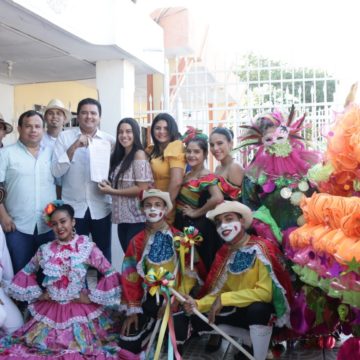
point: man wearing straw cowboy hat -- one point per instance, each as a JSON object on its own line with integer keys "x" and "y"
{"x": 243, "y": 288}
{"x": 56, "y": 116}
{"x": 5, "y": 128}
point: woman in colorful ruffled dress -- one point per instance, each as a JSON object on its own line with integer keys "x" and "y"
{"x": 167, "y": 158}
{"x": 68, "y": 320}
{"x": 199, "y": 194}
{"x": 229, "y": 172}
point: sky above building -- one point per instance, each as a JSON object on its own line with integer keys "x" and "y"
{"x": 303, "y": 33}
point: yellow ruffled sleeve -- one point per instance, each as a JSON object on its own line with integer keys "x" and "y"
{"x": 174, "y": 154}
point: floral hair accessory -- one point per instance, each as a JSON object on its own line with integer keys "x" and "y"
{"x": 192, "y": 133}
{"x": 49, "y": 209}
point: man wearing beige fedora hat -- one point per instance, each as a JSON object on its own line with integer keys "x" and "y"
{"x": 56, "y": 116}
{"x": 245, "y": 287}
{"x": 5, "y": 128}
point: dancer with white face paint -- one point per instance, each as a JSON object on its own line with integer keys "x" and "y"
{"x": 243, "y": 287}
{"x": 153, "y": 248}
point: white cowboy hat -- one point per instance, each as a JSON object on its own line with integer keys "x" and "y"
{"x": 8, "y": 127}
{"x": 157, "y": 193}
{"x": 234, "y": 207}
{"x": 57, "y": 104}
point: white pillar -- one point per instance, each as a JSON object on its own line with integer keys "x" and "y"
{"x": 115, "y": 81}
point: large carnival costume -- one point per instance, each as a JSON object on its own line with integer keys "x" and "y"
{"x": 253, "y": 285}
{"x": 326, "y": 249}
{"x": 277, "y": 176}
{"x": 154, "y": 251}
{"x": 62, "y": 327}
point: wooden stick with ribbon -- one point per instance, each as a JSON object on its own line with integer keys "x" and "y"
{"x": 160, "y": 281}
{"x": 168, "y": 284}
{"x": 157, "y": 324}
{"x": 185, "y": 242}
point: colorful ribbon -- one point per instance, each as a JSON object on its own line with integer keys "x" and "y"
{"x": 186, "y": 241}
{"x": 159, "y": 282}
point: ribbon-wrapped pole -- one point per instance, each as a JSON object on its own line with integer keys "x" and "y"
{"x": 216, "y": 328}
{"x": 185, "y": 242}
{"x": 156, "y": 282}
{"x": 168, "y": 284}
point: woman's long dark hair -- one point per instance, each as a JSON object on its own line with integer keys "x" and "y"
{"x": 118, "y": 154}
{"x": 172, "y": 130}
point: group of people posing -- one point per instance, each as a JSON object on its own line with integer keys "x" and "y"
{"x": 160, "y": 197}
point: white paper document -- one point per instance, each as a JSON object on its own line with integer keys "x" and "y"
{"x": 99, "y": 151}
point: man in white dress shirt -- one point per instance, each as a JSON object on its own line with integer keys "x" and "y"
{"x": 71, "y": 162}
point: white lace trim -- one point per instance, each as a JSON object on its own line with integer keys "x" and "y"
{"x": 123, "y": 307}
{"x": 138, "y": 336}
{"x": 56, "y": 325}
{"x": 109, "y": 297}
{"x": 133, "y": 310}
{"x": 28, "y": 294}
{"x": 76, "y": 275}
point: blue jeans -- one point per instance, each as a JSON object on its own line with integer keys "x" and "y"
{"x": 100, "y": 231}
{"x": 22, "y": 247}
{"x": 127, "y": 231}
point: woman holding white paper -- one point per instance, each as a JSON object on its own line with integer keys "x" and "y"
{"x": 130, "y": 173}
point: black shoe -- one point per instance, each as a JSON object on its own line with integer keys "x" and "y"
{"x": 241, "y": 356}
{"x": 214, "y": 343}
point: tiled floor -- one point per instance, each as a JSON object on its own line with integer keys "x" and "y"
{"x": 194, "y": 350}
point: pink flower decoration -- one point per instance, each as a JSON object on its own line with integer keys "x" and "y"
{"x": 269, "y": 187}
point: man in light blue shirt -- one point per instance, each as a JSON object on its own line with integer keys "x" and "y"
{"x": 71, "y": 162}
{"x": 25, "y": 171}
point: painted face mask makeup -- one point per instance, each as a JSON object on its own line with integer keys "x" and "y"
{"x": 228, "y": 231}
{"x": 154, "y": 215}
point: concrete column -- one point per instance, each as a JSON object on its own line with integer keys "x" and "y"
{"x": 115, "y": 81}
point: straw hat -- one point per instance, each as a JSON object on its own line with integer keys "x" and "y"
{"x": 234, "y": 207}
{"x": 57, "y": 104}
{"x": 8, "y": 127}
{"x": 157, "y": 193}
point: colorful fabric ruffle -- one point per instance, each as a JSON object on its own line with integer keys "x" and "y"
{"x": 342, "y": 155}
{"x": 327, "y": 248}
{"x": 230, "y": 191}
{"x": 191, "y": 191}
